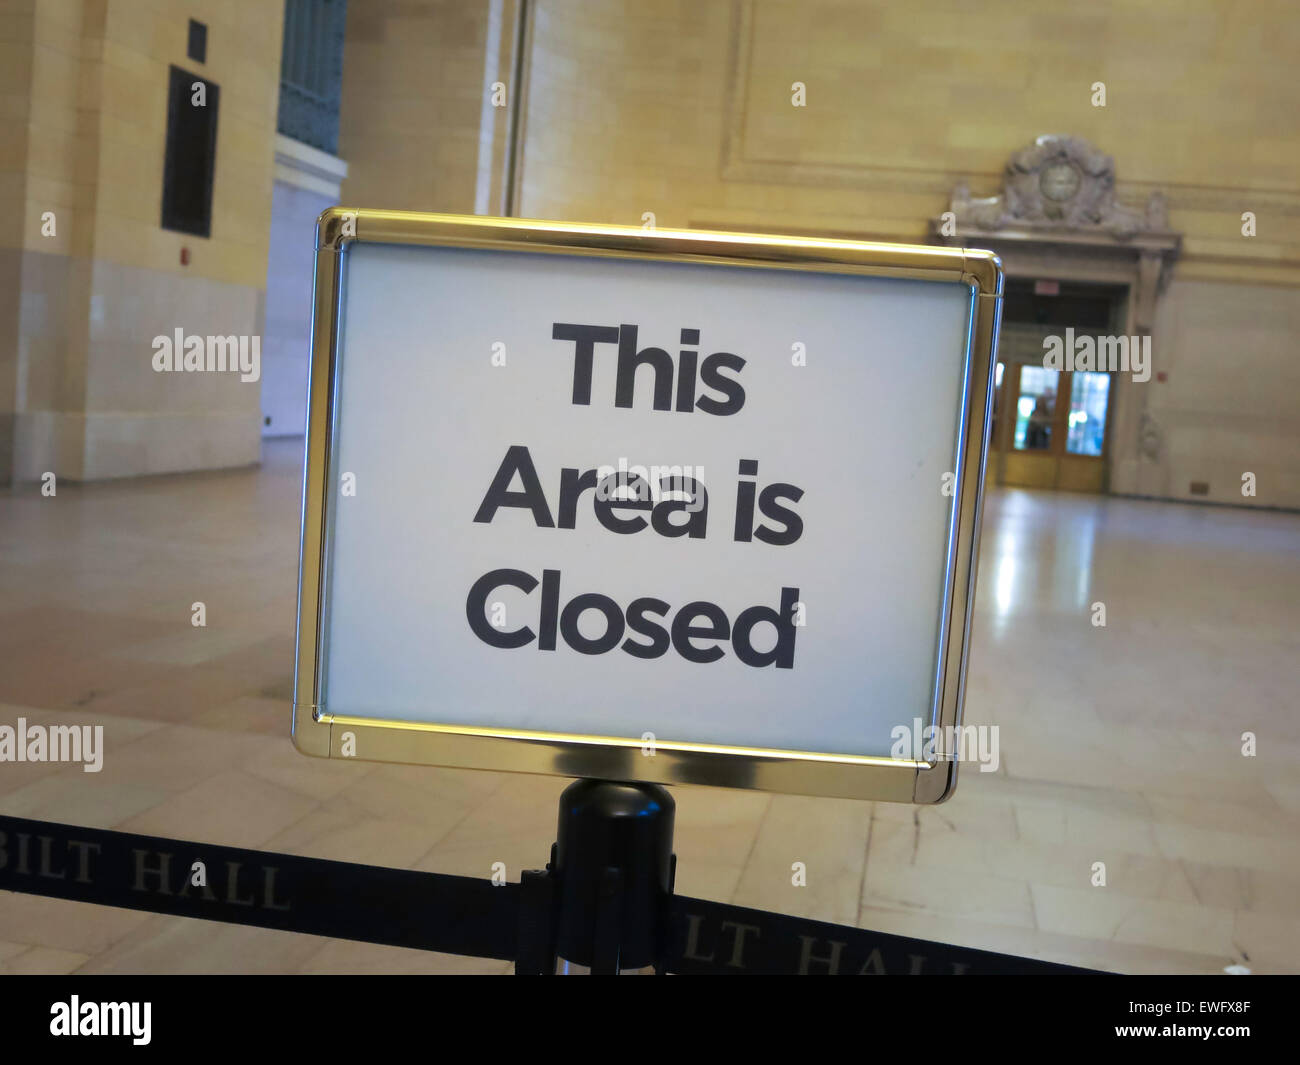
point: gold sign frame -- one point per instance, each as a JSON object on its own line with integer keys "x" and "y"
{"x": 318, "y": 732}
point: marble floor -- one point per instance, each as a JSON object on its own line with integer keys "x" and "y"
{"x": 1119, "y": 744}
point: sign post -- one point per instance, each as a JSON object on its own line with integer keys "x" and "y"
{"x": 613, "y": 868}
{"x": 655, "y": 506}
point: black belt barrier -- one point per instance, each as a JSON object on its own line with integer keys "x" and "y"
{"x": 435, "y": 911}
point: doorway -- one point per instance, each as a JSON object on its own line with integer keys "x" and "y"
{"x": 1051, "y": 427}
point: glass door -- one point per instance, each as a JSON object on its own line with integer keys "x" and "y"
{"x": 1049, "y": 428}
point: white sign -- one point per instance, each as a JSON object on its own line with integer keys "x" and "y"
{"x": 669, "y": 502}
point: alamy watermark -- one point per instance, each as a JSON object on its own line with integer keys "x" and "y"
{"x": 640, "y": 484}
{"x": 1099, "y": 354}
{"x": 53, "y": 743}
{"x": 77, "y": 1018}
{"x": 961, "y": 743}
{"x": 214, "y": 354}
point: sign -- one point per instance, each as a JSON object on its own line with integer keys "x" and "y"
{"x": 646, "y": 505}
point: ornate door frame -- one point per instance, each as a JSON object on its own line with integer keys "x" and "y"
{"x": 1057, "y": 218}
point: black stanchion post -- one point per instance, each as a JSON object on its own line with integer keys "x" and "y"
{"x": 613, "y": 867}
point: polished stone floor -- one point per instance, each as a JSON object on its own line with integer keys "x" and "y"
{"x": 1119, "y": 744}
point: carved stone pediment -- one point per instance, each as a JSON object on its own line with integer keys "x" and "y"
{"x": 1058, "y": 183}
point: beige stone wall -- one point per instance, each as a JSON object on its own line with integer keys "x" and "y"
{"x": 625, "y": 114}
{"x": 86, "y": 403}
{"x": 412, "y": 107}
{"x": 1231, "y": 401}
{"x": 679, "y": 108}
{"x": 685, "y": 110}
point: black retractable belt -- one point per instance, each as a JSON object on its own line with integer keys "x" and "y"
{"x": 604, "y": 904}
{"x": 397, "y": 907}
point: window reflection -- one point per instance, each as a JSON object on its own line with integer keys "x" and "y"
{"x": 1035, "y": 408}
{"x": 1088, "y": 394}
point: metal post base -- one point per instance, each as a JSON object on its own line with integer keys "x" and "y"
{"x": 602, "y": 905}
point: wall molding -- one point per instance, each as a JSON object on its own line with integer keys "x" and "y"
{"x": 737, "y": 166}
{"x": 305, "y": 167}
